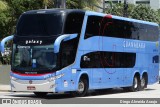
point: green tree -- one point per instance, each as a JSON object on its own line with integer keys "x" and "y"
{"x": 4, "y": 23}
{"x": 72, "y": 4}
{"x": 48, "y": 3}
{"x": 82, "y": 4}
{"x": 90, "y": 4}
{"x": 4, "y": 18}
{"x": 118, "y": 9}
{"x": 3, "y": 5}
{"x": 142, "y": 12}
{"x": 16, "y": 8}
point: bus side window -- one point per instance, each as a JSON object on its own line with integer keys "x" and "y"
{"x": 73, "y": 23}
{"x": 90, "y": 60}
{"x": 68, "y": 49}
{"x": 93, "y": 26}
{"x": 108, "y": 60}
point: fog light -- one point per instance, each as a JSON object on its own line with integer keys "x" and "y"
{"x": 52, "y": 86}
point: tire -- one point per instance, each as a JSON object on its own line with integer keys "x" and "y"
{"x": 143, "y": 82}
{"x": 41, "y": 94}
{"x": 82, "y": 88}
{"x": 135, "y": 85}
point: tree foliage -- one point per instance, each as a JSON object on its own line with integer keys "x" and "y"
{"x": 118, "y": 9}
{"x": 82, "y": 4}
{"x": 140, "y": 12}
{"x": 3, "y": 5}
{"x": 10, "y": 10}
{"x": 9, "y": 16}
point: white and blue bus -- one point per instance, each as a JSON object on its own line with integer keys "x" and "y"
{"x": 64, "y": 50}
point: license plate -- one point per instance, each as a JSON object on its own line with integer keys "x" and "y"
{"x": 31, "y": 88}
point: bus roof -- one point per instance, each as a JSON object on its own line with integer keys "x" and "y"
{"x": 50, "y": 11}
{"x": 121, "y": 18}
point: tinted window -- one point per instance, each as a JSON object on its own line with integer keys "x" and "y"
{"x": 108, "y": 60}
{"x": 73, "y": 23}
{"x": 155, "y": 59}
{"x": 93, "y": 26}
{"x": 121, "y": 29}
{"x": 68, "y": 48}
{"x": 67, "y": 52}
{"x": 39, "y": 25}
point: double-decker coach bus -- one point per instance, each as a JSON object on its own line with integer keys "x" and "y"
{"x": 64, "y": 50}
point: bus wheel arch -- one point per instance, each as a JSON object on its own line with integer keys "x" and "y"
{"x": 83, "y": 86}
{"x": 144, "y": 81}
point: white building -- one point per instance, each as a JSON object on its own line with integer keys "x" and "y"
{"x": 154, "y": 4}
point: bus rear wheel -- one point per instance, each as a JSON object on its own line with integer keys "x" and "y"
{"x": 82, "y": 88}
{"x": 144, "y": 82}
{"x": 40, "y": 94}
{"x": 135, "y": 85}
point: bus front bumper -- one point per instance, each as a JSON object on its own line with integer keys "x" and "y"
{"x": 33, "y": 85}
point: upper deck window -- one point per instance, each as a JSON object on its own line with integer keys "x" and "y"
{"x": 40, "y": 25}
{"x": 107, "y": 27}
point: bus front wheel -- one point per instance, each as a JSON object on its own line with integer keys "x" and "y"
{"x": 82, "y": 88}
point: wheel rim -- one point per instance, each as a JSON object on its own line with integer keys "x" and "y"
{"x": 135, "y": 82}
{"x": 80, "y": 87}
{"x": 143, "y": 82}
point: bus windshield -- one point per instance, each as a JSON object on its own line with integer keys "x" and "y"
{"x": 33, "y": 58}
{"x": 40, "y": 24}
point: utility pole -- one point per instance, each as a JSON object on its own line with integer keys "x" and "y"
{"x": 63, "y": 4}
{"x": 60, "y": 4}
{"x": 104, "y": 6}
{"x": 56, "y": 3}
{"x": 125, "y": 12}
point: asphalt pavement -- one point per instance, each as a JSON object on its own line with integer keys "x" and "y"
{"x": 153, "y": 91}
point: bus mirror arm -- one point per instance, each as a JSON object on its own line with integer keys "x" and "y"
{"x": 61, "y": 38}
{"x": 2, "y": 43}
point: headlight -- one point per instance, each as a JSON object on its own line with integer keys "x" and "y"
{"x": 13, "y": 78}
{"x": 51, "y": 79}
{"x": 54, "y": 77}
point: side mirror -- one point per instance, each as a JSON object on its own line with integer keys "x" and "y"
{"x": 61, "y": 38}
{"x": 2, "y": 43}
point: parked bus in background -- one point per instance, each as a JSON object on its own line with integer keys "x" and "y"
{"x": 64, "y": 50}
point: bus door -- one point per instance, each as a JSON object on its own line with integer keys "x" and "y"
{"x": 86, "y": 63}
{"x": 97, "y": 70}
